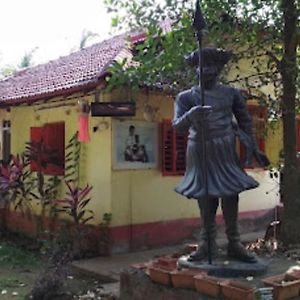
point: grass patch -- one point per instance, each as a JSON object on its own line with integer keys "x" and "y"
{"x": 15, "y": 284}
{"x": 10, "y": 255}
{"x": 9, "y": 282}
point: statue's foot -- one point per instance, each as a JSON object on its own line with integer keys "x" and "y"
{"x": 202, "y": 253}
{"x": 197, "y": 256}
{"x": 238, "y": 252}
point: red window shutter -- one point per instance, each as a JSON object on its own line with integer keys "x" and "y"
{"x": 181, "y": 143}
{"x": 259, "y": 117}
{"x": 54, "y": 143}
{"x": 173, "y": 150}
{"x": 167, "y": 148}
{"x": 36, "y": 142}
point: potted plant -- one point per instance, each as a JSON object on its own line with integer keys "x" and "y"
{"x": 236, "y": 290}
{"x": 208, "y": 285}
{"x": 160, "y": 275}
{"x": 160, "y": 270}
{"x": 284, "y": 286}
{"x": 184, "y": 278}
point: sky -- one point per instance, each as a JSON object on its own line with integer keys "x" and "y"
{"x": 53, "y": 26}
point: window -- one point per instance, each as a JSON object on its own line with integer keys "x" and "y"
{"x": 47, "y": 149}
{"x": 6, "y": 138}
{"x": 173, "y": 150}
{"x": 259, "y": 118}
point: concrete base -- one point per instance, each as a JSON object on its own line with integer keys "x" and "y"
{"x": 223, "y": 267}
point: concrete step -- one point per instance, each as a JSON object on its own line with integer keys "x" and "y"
{"x": 108, "y": 268}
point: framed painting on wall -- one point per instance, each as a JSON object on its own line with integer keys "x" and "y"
{"x": 135, "y": 145}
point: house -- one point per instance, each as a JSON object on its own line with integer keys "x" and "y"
{"x": 136, "y": 187}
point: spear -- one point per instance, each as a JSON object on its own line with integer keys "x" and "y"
{"x": 199, "y": 24}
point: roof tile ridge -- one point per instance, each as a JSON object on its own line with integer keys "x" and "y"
{"x": 30, "y": 70}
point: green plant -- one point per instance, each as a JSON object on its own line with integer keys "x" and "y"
{"x": 41, "y": 158}
{"x": 50, "y": 282}
{"x": 36, "y": 185}
{"x": 72, "y": 157}
{"x": 45, "y": 188}
{"x": 104, "y": 240}
{"x": 75, "y": 202}
{"x": 16, "y": 184}
{"x": 12, "y": 256}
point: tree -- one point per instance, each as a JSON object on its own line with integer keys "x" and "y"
{"x": 290, "y": 74}
{"x": 85, "y": 38}
{"x": 86, "y": 35}
{"x": 25, "y": 62}
{"x": 265, "y": 32}
{"x": 7, "y": 71}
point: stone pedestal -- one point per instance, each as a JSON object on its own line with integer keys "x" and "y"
{"x": 223, "y": 267}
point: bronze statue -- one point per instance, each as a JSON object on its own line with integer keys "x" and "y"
{"x": 220, "y": 175}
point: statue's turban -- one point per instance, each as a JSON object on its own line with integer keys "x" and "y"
{"x": 212, "y": 57}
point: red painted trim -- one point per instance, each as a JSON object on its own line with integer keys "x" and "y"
{"x": 16, "y": 221}
{"x": 137, "y": 236}
{"x": 155, "y": 234}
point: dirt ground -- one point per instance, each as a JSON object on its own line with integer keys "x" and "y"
{"x": 16, "y": 283}
{"x": 20, "y": 268}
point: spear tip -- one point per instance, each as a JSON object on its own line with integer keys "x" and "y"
{"x": 199, "y": 22}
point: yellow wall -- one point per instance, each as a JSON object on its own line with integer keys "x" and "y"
{"x": 142, "y": 196}
{"x": 274, "y": 141}
{"x": 132, "y": 196}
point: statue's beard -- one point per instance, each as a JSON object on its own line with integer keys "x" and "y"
{"x": 210, "y": 77}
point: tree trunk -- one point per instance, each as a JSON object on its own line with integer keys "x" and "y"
{"x": 291, "y": 184}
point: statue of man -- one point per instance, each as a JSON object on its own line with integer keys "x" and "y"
{"x": 224, "y": 109}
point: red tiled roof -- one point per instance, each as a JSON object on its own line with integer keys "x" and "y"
{"x": 76, "y": 71}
